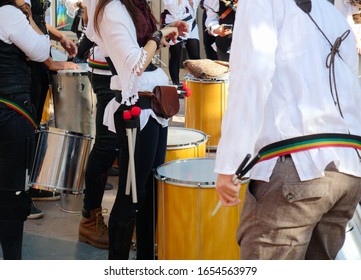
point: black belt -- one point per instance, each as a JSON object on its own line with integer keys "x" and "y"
{"x": 151, "y": 67}
{"x": 143, "y": 102}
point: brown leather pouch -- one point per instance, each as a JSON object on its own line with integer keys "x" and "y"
{"x": 165, "y": 101}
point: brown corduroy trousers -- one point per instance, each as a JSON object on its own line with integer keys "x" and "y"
{"x": 289, "y": 219}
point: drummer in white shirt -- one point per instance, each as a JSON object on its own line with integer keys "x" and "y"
{"x": 298, "y": 202}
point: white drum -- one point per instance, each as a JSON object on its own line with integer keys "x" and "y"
{"x": 60, "y": 161}
{"x": 74, "y": 100}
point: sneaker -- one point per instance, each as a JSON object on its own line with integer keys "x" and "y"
{"x": 37, "y": 195}
{"x": 113, "y": 171}
{"x": 35, "y": 213}
{"x": 108, "y": 186}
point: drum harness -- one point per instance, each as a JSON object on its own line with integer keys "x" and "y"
{"x": 22, "y": 111}
{"x": 314, "y": 141}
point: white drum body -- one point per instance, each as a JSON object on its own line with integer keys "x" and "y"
{"x": 74, "y": 101}
{"x": 60, "y": 160}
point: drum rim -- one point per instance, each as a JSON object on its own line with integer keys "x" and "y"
{"x": 191, "y": 78}
{"x": 82, "y": 73}
{"x": 66, "y": 133}
{"x": 183, "y": 183}
{"x": 190, "y": 144}
{"x": 74, "y": 72}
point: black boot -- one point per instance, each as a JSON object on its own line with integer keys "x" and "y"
{"x": 120, "y": 238}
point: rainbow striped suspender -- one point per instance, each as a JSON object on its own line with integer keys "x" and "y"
{"x": 20, "y": 110}
{"x": 299, "y": 144}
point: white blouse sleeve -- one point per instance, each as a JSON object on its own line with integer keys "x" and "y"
{"x": 212, "y": 20}
{"x": 16, "y": 29}
{"x": 119, "y": 42}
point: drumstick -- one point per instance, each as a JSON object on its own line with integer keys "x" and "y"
{"x": 131, "y": 164}
{"x": 131, "y": 168}
{"x": 131, "y": 129}
{"x": 127, "y": 189}
{"x": 235, "y": 179}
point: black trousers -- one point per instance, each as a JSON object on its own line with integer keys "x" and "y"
{"x": 16, "y": 149}
{"x": 208, "y": 40}
{"x": 105, "y": 148}
{"x": 175, "y": 55}
{"x": 40, "y": 80}
{"x": 149, "y": 154}
{"x": 11, "y": 239}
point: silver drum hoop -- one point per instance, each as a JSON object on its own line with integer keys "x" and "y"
{"x": 193, "y": 173}
{"x": 220, "y": 79}
{"x": 82, "y": 71}
{"x": 190, "y": 144}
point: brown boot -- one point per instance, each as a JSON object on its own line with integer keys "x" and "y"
{"x": 93, "y": 230}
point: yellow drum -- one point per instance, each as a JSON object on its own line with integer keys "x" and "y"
{"x": 185, "y": 143}
{"x": 46, "y": 116}
{"x": 187, "y": 227}
{"x": 205, "y": 107}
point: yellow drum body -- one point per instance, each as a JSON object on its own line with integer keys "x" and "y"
{"x": 46, "y": 116}
{"x": 186, "y": 226}
{"x": 185, "y": 143}
{"x": 205, "y": 107}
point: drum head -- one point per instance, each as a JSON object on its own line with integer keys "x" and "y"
{"x": 82, "y": 70}
{"x": 183, "y": 137}
{"x": 197, "y": 172}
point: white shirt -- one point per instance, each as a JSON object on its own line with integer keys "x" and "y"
{"x": 118, "y": 40}
{"x": 212, "y": 19}
{"x": 97, "y": 54}
{"x": 279, "y": 87}
{"x": 15, "y": 28}
{"x": 179, "y": 12}
{"x": 348, "y": 10}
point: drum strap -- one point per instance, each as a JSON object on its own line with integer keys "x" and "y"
{"x": 20, "y": 110}
{"x": 302, "y": 143}
{"x": 232, "y": 6}
{"x": 95, "y": 64}
{"x": 150, "y": 68}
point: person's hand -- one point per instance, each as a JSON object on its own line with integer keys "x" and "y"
{"x": 222, "y": 30}
{"x": 228, "y": 190}
{"x": 169, "y": 33}
{"x": 60, "y": 65}
{"x": 182, "y": 27}
{"x": 69, "y": 46}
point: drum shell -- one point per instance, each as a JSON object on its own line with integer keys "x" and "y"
{"x": 60, "y": 160}
{"x": 186, "y": 229}
{"x": 205, "y": 107}
{"x": 74, "y": 101}
{"x": 185, "y": 143}
{"x": 71, "y": 203}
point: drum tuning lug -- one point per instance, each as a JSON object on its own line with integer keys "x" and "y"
{"x": 81, "y": 87}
